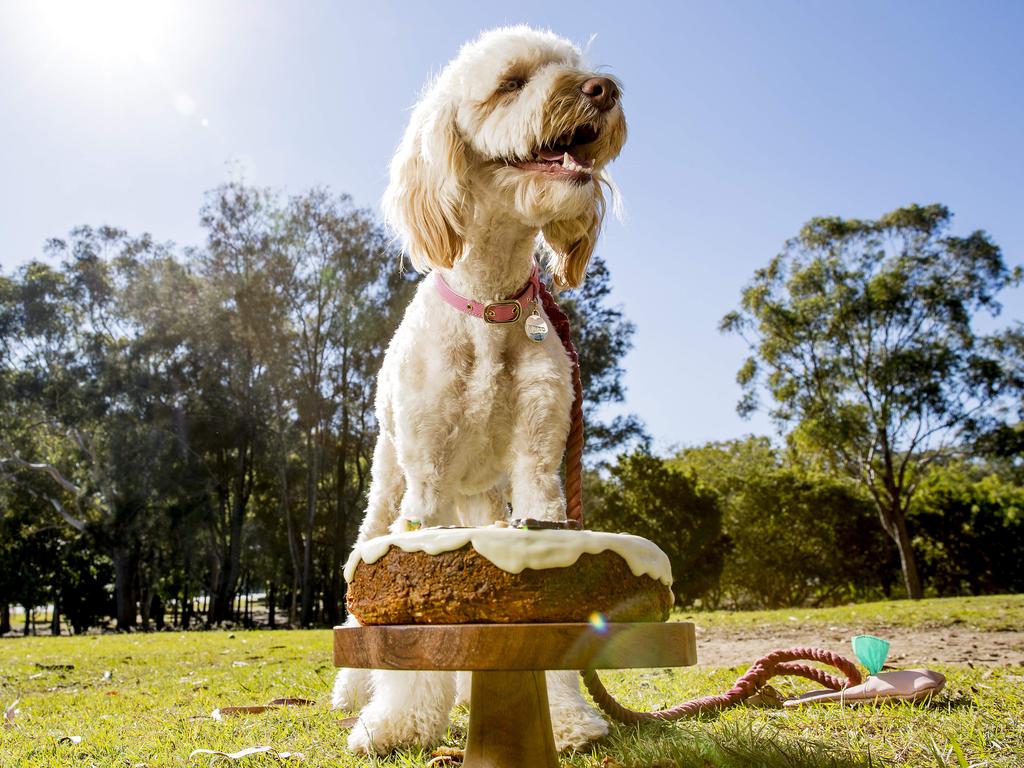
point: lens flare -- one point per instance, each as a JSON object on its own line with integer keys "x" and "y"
{"x": 598, "y": 621}
{"x": 121, "y": 32}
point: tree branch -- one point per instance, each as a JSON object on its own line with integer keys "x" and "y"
{"x": 77, "y": 523}
{"x": 49, "y": 469}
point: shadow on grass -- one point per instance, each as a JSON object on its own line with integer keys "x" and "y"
{"x": 954, "y": 703}
{"x": 699, "y": 744}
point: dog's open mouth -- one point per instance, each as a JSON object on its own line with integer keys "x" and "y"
{"x": 566, "y": 158}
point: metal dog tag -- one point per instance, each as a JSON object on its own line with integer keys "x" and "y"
{"x": 536, "y": 328}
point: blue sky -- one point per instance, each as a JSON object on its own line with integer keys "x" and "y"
{"x": 746, "y": 119}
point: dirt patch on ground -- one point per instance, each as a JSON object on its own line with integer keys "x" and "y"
{"x": 911, "y": 646}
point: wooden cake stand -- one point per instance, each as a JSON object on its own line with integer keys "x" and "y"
{"x": 509, "y": 720}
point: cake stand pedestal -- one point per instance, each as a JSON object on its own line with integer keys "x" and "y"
{"x": 509, "y": 720}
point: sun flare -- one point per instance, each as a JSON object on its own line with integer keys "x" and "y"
{"x": 108, "y": 32}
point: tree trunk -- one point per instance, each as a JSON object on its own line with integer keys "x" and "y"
{"x": 908, "y": 561}
{"x": 186, "y": 608}
{"x": 216, "y": 575}
{"x": 334, "y": 595}
{"x": 145, "y": 605}
{"x": 55, "y": 619}
{"x": 28, "y": 620}
{"x": 312, "y": 486}
{"x": 158, "y": 612}
{"x": 125, "y": 568}
{"x": 222, "y": 600}
{"x": 247, "y": 602}
{"x": 361, "y": 461}
{"x": 293, "y": 547}
{"x": 270, "y": 605}
{"x": 5, "y": 618}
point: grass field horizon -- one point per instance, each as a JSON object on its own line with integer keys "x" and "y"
{"x": 148, "y": 700}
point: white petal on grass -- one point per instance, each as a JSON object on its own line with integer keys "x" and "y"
{"x": 10, "y": 713}
{"x": 248, "y": 752}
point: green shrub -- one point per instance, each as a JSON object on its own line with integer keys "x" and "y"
{"x": 645, "y": 496}
{"x": 796, "y": 535}
{"x": 969, "y": 529}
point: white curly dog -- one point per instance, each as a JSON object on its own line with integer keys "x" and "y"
{"x": 506, "y": 146}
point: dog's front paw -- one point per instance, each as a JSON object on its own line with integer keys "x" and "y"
{"x": 351, "y": 689}
{"x": 379, "y": 732}
{"x": 360, "y": 739}
{"x": 574, "y": 722}
{"x": 576, "y": 728}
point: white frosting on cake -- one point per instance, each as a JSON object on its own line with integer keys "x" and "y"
{"x": 515, "y": 549}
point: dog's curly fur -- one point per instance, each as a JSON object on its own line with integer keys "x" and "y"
{"x": 474, "y": 416}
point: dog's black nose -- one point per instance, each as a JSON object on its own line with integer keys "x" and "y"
{"x": 602, "y": 92}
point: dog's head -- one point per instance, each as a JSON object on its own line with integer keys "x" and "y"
{"x": 515, "y": 126}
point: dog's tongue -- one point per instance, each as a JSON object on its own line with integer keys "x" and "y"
{"x": 552, "y": 155}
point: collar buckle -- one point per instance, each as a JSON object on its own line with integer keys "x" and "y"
{"x": 494, "y": 316}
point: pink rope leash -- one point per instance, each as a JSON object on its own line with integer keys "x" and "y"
{"x": 574, "y": 443}
{"x": 780, "y": 662}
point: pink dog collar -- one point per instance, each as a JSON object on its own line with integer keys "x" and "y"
{"x": 500, "y": 312}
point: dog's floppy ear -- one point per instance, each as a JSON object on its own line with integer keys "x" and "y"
{"x": 572, "y": 243}
{"x": 426, "y": 197}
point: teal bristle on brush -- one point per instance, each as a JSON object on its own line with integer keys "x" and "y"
{"x": 872, "y": 652}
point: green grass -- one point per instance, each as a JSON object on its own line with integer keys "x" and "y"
{"x": 990, "y": 613}
{"x": 154, "y": 707}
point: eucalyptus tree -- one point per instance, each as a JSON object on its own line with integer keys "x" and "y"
{"x": 863, "y": 334}
{"x": 298, "y": 299}
{"x": 376, "y": 293}
{"x": 239, "y": 344}
{"x": 344, "y": 285}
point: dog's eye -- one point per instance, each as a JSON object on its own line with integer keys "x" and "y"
{"x": 512, "y": 84}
